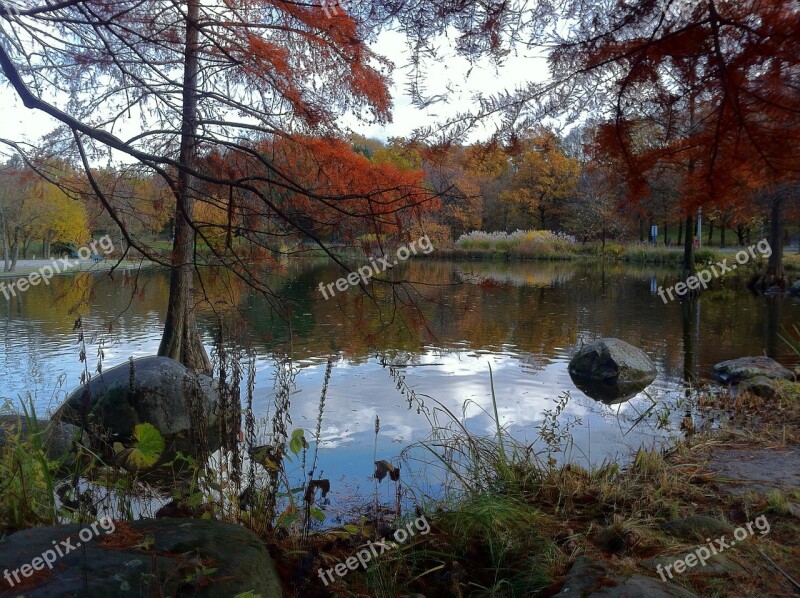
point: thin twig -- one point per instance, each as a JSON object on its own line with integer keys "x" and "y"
{"x": 784, "y": 573}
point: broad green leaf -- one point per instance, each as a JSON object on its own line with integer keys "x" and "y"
{"x": 298, "y": 442}
{"x": 317, "y": 514}
{"x": 146, "y": 451}
{"x": 287, "y": 518}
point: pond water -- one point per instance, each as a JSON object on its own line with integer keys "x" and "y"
{"x": 524, "y": 319}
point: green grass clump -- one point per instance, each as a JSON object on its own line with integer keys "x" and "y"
{"x": 27, "y": 497}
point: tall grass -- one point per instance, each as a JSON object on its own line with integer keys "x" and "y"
{"x": 792, "y": 339}
{"x": 29, "y": 474}
{"x": 519, "y": 244}
{"x": 546, "y": 245}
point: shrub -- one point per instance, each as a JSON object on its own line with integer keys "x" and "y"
{"x": 705, "y": 255}
{"x": 533, "y": 243}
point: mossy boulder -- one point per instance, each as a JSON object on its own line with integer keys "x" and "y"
{"x": 611, "y": 370}
{"x": 151, "y": 557}
{"x": 718, "y": 565}
{"x": 590, "y": 579}
{"x": 788, "y": 390}
{"x": 760, "y": 386}
{"x": 180, "y": 403}
{"x": 697, "y": 527}
{"x": 734, "y": 371}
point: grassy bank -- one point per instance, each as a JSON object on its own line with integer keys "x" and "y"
{"x": 633, "y": 254}
{"x": 510, "y": 521}
{"x": 515, "y": 523}
{"x": 26, "y": 267}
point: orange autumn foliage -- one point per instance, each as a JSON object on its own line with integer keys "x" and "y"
{"x": 321, "y": 186}
{"x": 708, "y": 90}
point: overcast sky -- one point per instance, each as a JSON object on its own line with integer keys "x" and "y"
{"x": 450, "y": 76}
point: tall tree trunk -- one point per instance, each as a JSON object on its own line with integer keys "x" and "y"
{"x": 722, "y": 234}
{"x": 4, "y": 233}
{"x": 181, "y": 340}
{"x": 641, "y": 230}
{"x": 740, "y": 234}
{"x": 688, "y": 318}
{"x": 666, "y": 240}
{"x": 774, "y": 341}
{"x": 688, "y": 248}
{"x": 46, "y": 248}
{"x": 680, "y": 231}
{"x": 14, "y": 251}
{"x": 688, "y": 243}
{"x": 710, "y": 232}
{"x": 775, "y": 273}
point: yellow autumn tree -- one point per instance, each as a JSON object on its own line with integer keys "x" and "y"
{"x": 543, "y": 179}
{"x": 55, "y": 217}
{"x": 400, "y": 153}
{"x": 489, "y": 164}
{"x": 212, "y": 224}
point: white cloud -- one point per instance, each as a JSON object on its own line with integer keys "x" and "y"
{"x": 452, "y": 78}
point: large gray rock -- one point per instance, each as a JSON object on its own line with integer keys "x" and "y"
{"x": 589, "y": 579}
{"x": 760, "y": 386}
{"x": 697, "y": 527}
{"x": 151, "y": 557}
{"x": 155, "y": 390}
{"x": 611, "y": 370}
{"x": 718, "y": 565}
{"x": 760, "y": 471}
{"x": 734, "y": 371}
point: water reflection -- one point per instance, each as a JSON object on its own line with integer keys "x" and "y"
{"x": 610, "y": 394}
{"x": 525, "y": 319}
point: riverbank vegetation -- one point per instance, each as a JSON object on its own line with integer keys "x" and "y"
{"x": 546, "y": 245}
{"x": 510, "y": 519}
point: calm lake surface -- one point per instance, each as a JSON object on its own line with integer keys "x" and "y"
{"x": 523, "y": 319}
